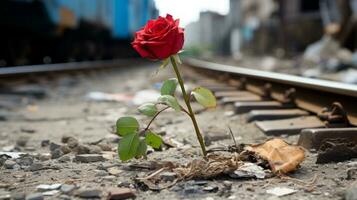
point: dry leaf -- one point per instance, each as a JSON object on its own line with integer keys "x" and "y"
{"x": 282, "y": 157}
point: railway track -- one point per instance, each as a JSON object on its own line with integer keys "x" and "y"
{"x": 281, "y": 104}
{"x": 62, "y": 67}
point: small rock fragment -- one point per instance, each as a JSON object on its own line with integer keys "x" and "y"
{"x": 168, "y": 176}
{"x": 210, "y": 189}
{"x": 114, "y": 171}
{"x": 120, "y": 193}
{"x": 22, "y": 141}
{"x": 104, "y": 147}
{"x": 101, "y": 173}
{"x": 95, "y": 149}
{"x": 35, "y": 196}
{"x": 82, "y": 149}
{"x": 45, "y": 143}
{"x": 67, "y": 189}
{"x": 109, "y": 178}
{"x": 89, "y": 193}
{"x": 50, "y": 193}
{"x": 54, "y": 146}
{"x": 44, "y": 187}
{"x": 281, "y": 191}
{"x": 36, "y": 167}
{"x": 87, "y": 158}
{"x": 25, "y": 160}
{"x": 45, "y": 156}
{"x": 248, "y": 170}
{"x": 64, "y": 159}
{"x": 57, "y": 153}
{"x": 9, "y": 164}
{"x": 65, "y": 149}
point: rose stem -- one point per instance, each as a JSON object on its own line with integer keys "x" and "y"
{"x": 187, "y": 101}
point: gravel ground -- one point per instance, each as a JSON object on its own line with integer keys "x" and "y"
{"x": 35, "y": 126}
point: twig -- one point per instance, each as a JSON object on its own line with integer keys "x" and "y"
{"x": 233, "y": 138}
{"x": 157, "y": 114}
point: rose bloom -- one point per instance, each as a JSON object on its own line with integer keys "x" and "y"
{"x": 159, "y": 39}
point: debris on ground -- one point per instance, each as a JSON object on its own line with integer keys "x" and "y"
{"x": 281, "y": 191}
{"x": 281, "y": 156}
{"x": 336, "y": 150}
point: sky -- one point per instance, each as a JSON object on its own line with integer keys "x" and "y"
{"x": 189, "y": 10}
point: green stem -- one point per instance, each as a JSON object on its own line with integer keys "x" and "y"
{"x": 187, "y": 101}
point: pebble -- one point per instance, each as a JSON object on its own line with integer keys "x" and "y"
{"x": 101, "y": 173}
{"x": 45, "y": 143}
{"x": 9, "y": 164}
{"x": 65, "y": 149}
{"x": 64, "y": 197}
{"x": 25, "y": 160}
{"x": 22, "y": 141}
{"x": 44, "y": 187}
{"x": 57, "y": 153}
{"x": 54, "y": 146}
{"x": 120, "y": 193}
{"x": 210, "y": 189}
{"x": 95, "y": 150}
{"x": 105, "y": 147}
{"x": 64, "y": 159}
{"x": 87, "y": 158}
{"x": 66, "y": 188}
{"x": 35, "y": 196}
{"x": 351, "y": 193}
{"x": 168, "y": 176}
{"x": 36, "y": 167}
{"x": 50, "y": 193}
{"x": 114, "y": 171}
{"x": 82, "y": 149}
{"x": 44, "y": 156}
{"x": 109, "y": 178}
{"x": 89, "y": 193}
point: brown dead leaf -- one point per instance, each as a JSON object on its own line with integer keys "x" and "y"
{"x": 282, "y": 157}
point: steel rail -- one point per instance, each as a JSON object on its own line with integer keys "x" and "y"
{"x": 312, "y": 94}
{"x": 42, "y": 68}
{"x": 318, "y": 84}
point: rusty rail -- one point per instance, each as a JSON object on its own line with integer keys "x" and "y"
{"x": 313, "y": 95}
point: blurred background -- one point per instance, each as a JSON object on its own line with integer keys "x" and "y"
{"x": 312, "y": 38}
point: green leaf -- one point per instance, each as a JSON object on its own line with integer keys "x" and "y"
{"x": 127, "y": 125}
{"x": 142, "y": 148}
{"x": 169, "y": 87}
{"x": 128, "y": 146}
{"x": 204, "y": 97}
{"x": 153, "y": 140}
{"x": 148, "y": 109}
{"x": 170, "y": 101}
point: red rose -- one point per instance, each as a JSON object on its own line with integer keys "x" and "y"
{"x": 159, "y": 39}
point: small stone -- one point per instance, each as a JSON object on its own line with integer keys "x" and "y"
{"x": 9, "y": 164}
{"x": 25, "y": 160}
{"x": 65, "y": 149}
{"x": 168, "y": 176}
{"x": 351, "y": 193}
{"x": 50, "y": 193}
{"x": 35, "y": 196}
{"x": 18, "y": 196}
{"x": 67, "y": 189}
{"x": 109, "y": 178}
{"x": 104, "y": 147}
{"x": 87, "y": 158}
{"x": 45, "y": 143}
{"x": 89, "y": 193}
{"x": 82, "y": 149}
{"x": 57, "y": 153}
{"x": 120, "y": 193}
{"x": 71, "y": 142}
{"x": 44, "y": 156}
{"x": 114, "y": 171}
{"x": 210, "y": 189}
{"x": 64, "y": 159}
{"x": 101, "y": 173}
{"x": 95, "y": 150}
{"x": 44, "y": 187}
{"x": 28, "y": 130}
{"x": 352, "y": 164}
{"x": 54, "y": 146}
{"x": 22, "y": 141}
{"x": 36, "y": 167}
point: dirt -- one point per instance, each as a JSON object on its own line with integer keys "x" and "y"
{"x": 66, "y": 112}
